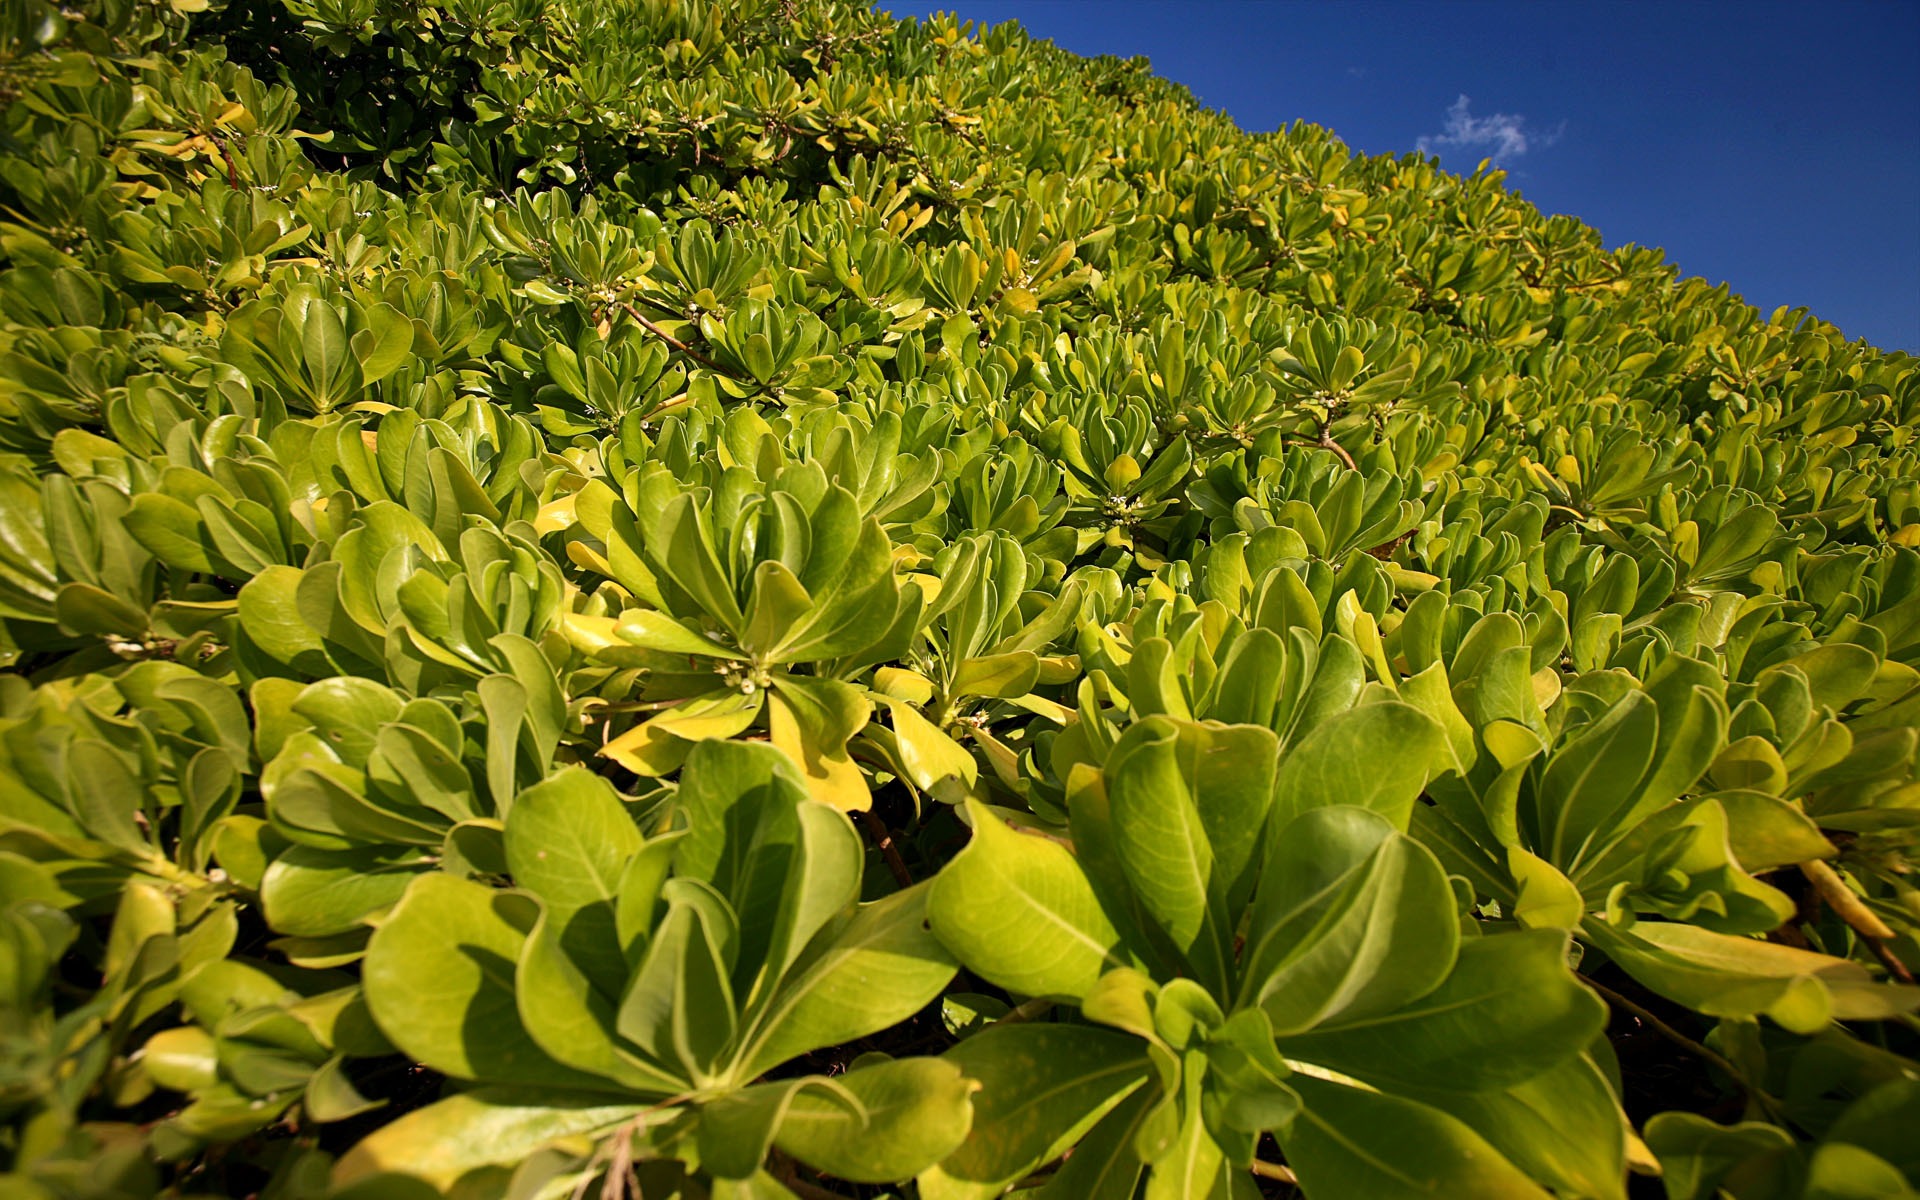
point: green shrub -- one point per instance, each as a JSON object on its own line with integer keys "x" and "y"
{"x": 701, "y": 599}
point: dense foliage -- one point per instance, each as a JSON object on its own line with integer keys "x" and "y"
{"x": 734, "y": 598}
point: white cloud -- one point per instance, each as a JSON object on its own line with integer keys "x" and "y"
{"x": 1503, "y": 135}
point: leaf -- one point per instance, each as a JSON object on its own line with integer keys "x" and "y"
{"x": 1105, "y": 1165}
{"x": 573, "y": 1021}
{"x": 1696, "y": 1154}
{"x": 880, "y": 968}
{"x": 1191, "y": 1166}
{"x": 1352, "y": 920}
{"x": 1164, "y": 849}
{"x": 1509, "y": 1011}
{"x": 810, "y": 720}
{"x": 1349, "y": 1142}
{"x": 1377, "y": 757}
{"x": 568, "y": 840}
{"x": 315, "y": 893}
{"x": 476, "y": 1129}
{"x": 657, "y": 631}
{"x": 1563, "y": 1127}
{"x": 1547, "y": 899}
{"x": 1593, "y": 776}
{"x": 679, "y": 1007}
{"x": 391, "y": 343}
{"x": 86, "y": 610}
{"x": 1018, "y": 911}
{"x": 786, "y": 867}
{"x": 323, "y": 341}
{"x": 997, "y": 675}
{"x": 913, "y": 1112}
{"x": 1042, "y": 1086}
{"x": 1722, "y": 975}
{"x": 439, "y": 978}
{"x": 928, "y": 756}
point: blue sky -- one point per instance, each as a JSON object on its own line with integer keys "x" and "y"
{"x": 1772, "y": 146}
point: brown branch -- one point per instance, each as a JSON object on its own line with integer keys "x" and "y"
{"x": 789, "y": 1175}
{"x": 673, "y": 341}
{"x": 1267, "y": 1170}
{"x": 1703, "y": 1052}
{"x": 1026, "y": 1011}
{"x": 1327, "y": 443}
{"x": 1850, "y": 908}
{"x": 884, "y": 839}
{"x": 233, "y": 173}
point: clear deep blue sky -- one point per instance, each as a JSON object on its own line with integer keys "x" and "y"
{"x": 1772, "y": 146}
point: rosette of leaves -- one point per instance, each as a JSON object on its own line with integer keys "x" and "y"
{"x": 1606, "y": 477}
{"x": 765, "y": 599}
{"x": 105, "y": 780}
{"x": 1336, "y": 371}
{"x": 392, "y": 603}
{"x": 1014, "y": 489}
{"x": 1255, "y": 946}
{"x": 1561, "y": 842}
{"x": 982, "y": 653}
{"x": 775, "y": 349}
{"x": 1634, "y": 837}
{"x": 598, "y": 383}
{"x": 1115, "y": 499}
{"x": 313, "y": 347}
{"x": 1332, "y": 510}
{"x": 633, "y": 994}
{"x": 366, "y": 787}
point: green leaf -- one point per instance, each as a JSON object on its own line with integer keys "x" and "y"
{"x": 1164, "y": 848}
{"x": 928, "y": 756}
{"x": 1349, "y": 1142}
{"x": 1352, "y": 920}
{"x": 1547, "y": 899}
{"x": 880, "y": 968}
{"x": 1593, "y": 776}
{"x": 1346, "y": 760}
{"x": 912, "y": 1113}
{"x": 1727, "y": 976}
{"x": 1018, "y": 911}
{"x": 1005, "y": 676}
{"x": 323, "y": 340}
{"x": 1106, "y": 1165}
{"x": 657, "y": 631}
{"x": 1563, "y": 1127}
{"x": 391, "y": 343}
{"x": 315, "y": 893}
{"x": 1042, "y": 1087}
{"x": 785, "y": 866}
{"x": 86, "y": 610}
{"x": 568, "y": 841}
{"x": 573, "y": 1021}
{"x": 439, "y": 978}
{"x": 1696, "y": 1154}
{"x": 476, "y": 1129}
{"x": 1509, "y": 1011}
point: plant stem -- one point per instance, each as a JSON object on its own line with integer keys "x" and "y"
{"x": 1027, "y": 1010}
{"x": 1327, "y": 442}
{"x": 673, "y": 341}
{"x": 1850, "y": 908}
{"x": 1699, "y": 1050}
{"x": 884, "y": 839}
{"x": 1267, "y": 1170}
{"x": 789, "y": 1176}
